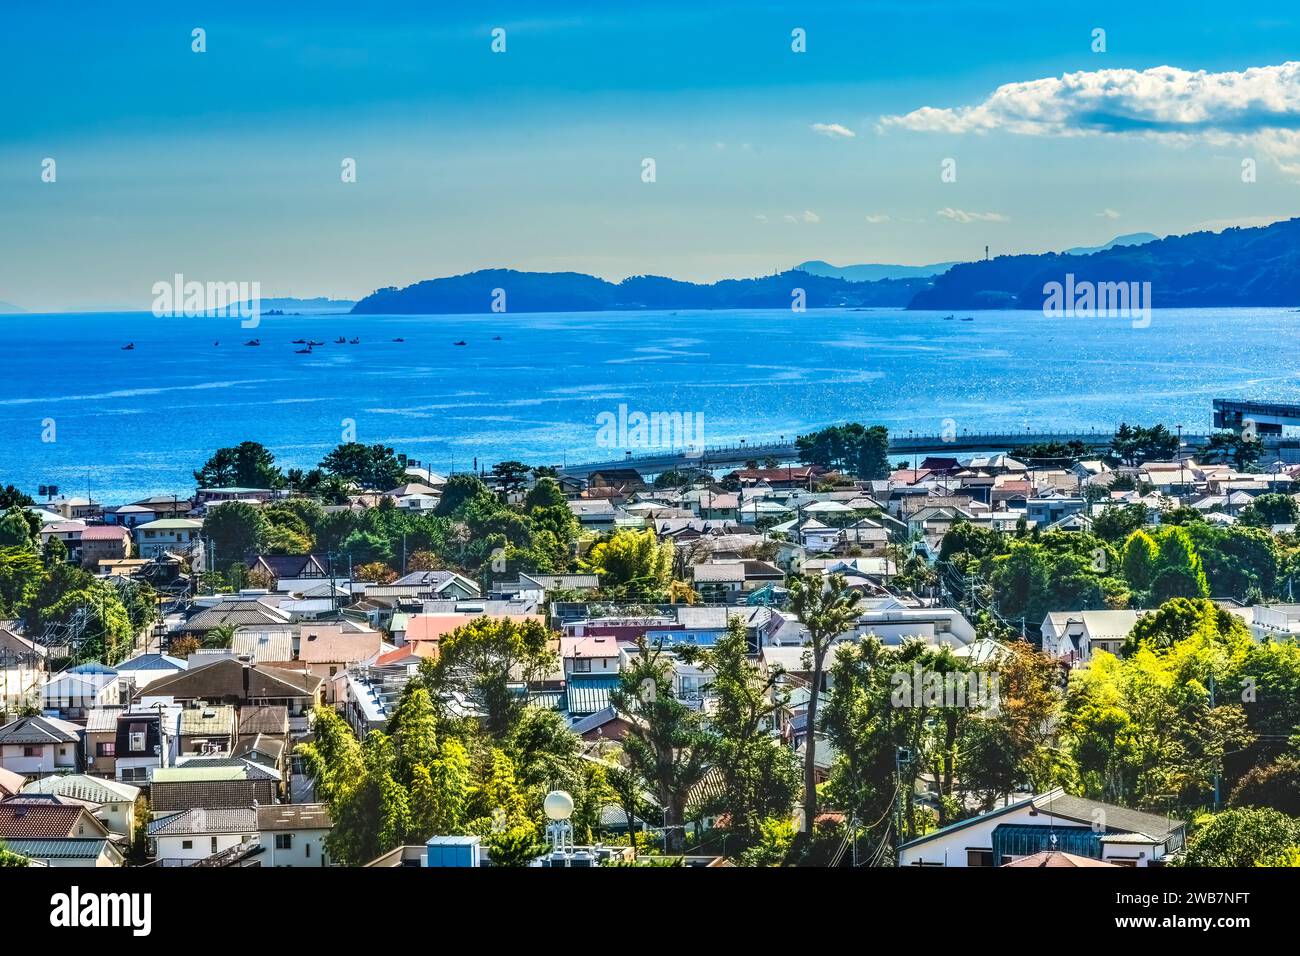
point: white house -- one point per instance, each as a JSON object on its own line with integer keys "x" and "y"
{"x": 78, "y": 690}
{"x": 294, "y": 834}
{"x": 185, "y": 837}
{"x": 590, "y": 656}
{"x": 177, "y": 535}
{"x": 23, "y": 664}
{"x": 1052, "y": 821}
{"x": 1074, "y": 635}
{"x": 35, "y": 746}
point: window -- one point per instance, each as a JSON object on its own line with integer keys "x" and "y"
{"x": 582, "y": 664}
{"x": 105, "y": 749}
{"x": 214, "y": 844}
{"x": 333, "y": 670}
{"x": 979, "y": 857}
{"x": 187, "y": 844}
{"x": 31, "y": 751}
{"x": 284, "y": 841}
{"x": 306, "y": 850}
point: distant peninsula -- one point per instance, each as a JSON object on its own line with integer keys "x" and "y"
{"x": 1236, "y": 267}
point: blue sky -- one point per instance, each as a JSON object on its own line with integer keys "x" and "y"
{"x": 225, "y": 165}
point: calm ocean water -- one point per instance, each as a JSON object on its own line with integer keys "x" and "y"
{"x": 131, "y": 423}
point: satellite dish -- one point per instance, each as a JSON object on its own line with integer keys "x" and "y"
{"x": 558, "y": 805}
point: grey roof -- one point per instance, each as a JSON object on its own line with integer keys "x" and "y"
{"x": 153, "y": 662}
{"x": 206, "y": 820}
{"x": 80, "y": 786}
{"x": 263, "y": 644}
{"x": 39, "y": 730}
{"x": 1110, "y": 816}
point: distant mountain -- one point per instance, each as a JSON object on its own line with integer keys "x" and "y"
{"x": 1132, "y": 239}
{"x": 8, "y": 308}
{"x": 872, "y": 273}
{"x": 1235, "y": 267}
{"x": 575, "y": 292}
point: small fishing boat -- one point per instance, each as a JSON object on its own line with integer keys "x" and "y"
{"x": 299, "y": 341}
{"x": 948, "y": 318}
{"x": 968, "y": 319}
{"x": 253, "y": 342}
{"x": 314, "y": 342}
{"x": 129, "y": 347}
{"x": 461, "y": 342}
{"x": 496, "y": 338}
{"x": 354, "y": 341}
{"x": 306, "y": 351}
{"x": 341, "y": 340}
{"x": 399, "y": 340}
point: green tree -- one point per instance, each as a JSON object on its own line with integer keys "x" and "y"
{"x": 758, "y": 772}
{"x": 854, "y": 449}
{"x": 826, "y": 608}
{"x": 246, "y": 465}
{"x": 482, "y": 659}
{"x": 366, "y": 466}
{"x": 236, "y": 530}
{"x": 1248, "y": 836}
{"x": 10, "y": 859}
{"x": 632, "y": 563}
{"x": 1179, "y": 571}
{"x": 1139, "y": 561}
{"x": 666, "y": 744}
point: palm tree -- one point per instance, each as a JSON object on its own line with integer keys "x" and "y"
{"x": 827, "y": 609}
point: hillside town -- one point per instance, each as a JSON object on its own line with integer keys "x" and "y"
{"x": 1060, "y": 657}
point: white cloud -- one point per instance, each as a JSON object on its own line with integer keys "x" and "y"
{"x": 810, "y": 216}
{"x": 1260, "y": 105}
{"x": 833, "y": 130}
{"x": 1108, "y": 214}
{"x": 877, "y": 217}
{"x": 961, "y": 215}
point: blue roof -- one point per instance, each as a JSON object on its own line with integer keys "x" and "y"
{"x": 153, "y": 662}
{"x": 589, "y": 694}
{"x": 74, "y": 849}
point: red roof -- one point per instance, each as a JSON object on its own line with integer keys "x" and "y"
{"x": 42, "y": 821}
{"x": 105, "y": 532}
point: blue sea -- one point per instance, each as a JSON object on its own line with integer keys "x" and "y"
{"x": 130, "y": 423}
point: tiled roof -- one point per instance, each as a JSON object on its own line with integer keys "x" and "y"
{"x": 80, "y": 786}
{"x": 332, "y": 645}
{"x": 105, "y": 533}
{"x": 41, "y": 821}
{"x": 206, "y": 820}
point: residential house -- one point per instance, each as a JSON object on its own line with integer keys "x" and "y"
{"x": 231, "y": 681}
{"x": 207, "y": 728}
{"x": 104, "y": 543}
{"x": 1073, "y": 636}
{"x": 146, "y": 740}
{"x": 36, "y": 746}
{"x": 143, "y": 669}
{"x": 207, "y": 497}
{"x": 186, "y": 836}
{"x": 23, "y": 666}
{"x": 56, "y": 834}
{"x": 161, "y": 536}
{"x": 213, "y": 782}
{"x": 1051, "y": 821}
{"x": 328, "y": 650}
{"x": 294, "y": 834}
{"x": 722, "y": 582}
{"x": 443, "y": 584}
{"x": 250, "y": 608}
{"x": 75, "y": 692}
{"x": 291, "y": 571}
{"x": 111, "y": 803}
